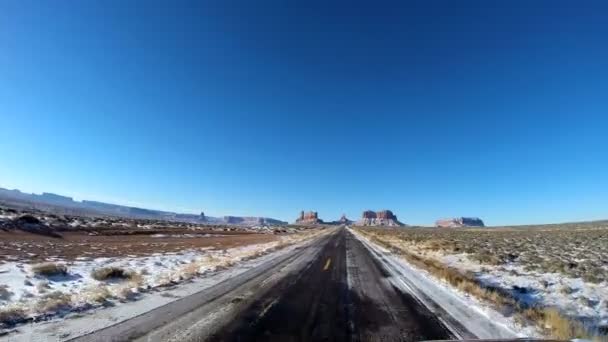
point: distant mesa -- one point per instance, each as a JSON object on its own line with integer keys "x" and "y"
{"x": 54, "y": 198}
{"x": 458, "y": 222}
{"x": 66, "y": 205}
{"x": 233, "y": 219}
{"x": 344, "y": 220}
{"x": 379, "y": 218}
{"x": 251, "y": 221}
{"x": 309, "y": 217}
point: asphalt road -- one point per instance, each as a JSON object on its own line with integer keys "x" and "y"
{"x": 196, "y": 317}
{"x": 344, "y": 295}
{"x": 330, "y": 289}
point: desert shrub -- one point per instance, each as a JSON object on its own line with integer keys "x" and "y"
{"x": 189, "y": 271}
{"x": 28, "y": 219}
{"x": 560, "y": 326}
{"x": 488, "y": 258}
{"x": 594, "y": 276}
{"x": 131, "y": 289}
{"x": 98, "y": 294}
{"x": 49, "y": 269}
{"x": 567, "y": 290}
{"x": 136, "y": 280}
{"x": 53, "y": 302}
{"x": 165, "y": 279}
{"x": 5, "y": 294}
{"x": 112, "y": 272}
{"x": 12, "y": 315}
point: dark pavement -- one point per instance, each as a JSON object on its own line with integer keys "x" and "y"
{"x": 342, "y": 295}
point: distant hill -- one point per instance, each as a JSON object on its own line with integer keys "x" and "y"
{"x": 66, "y": 205}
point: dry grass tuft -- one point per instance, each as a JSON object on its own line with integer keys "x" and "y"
{"x": 97, "y": 294}
{"x": 11, "y": 315}
{"x": 5, "y": 293}
{"x": 560, "y": 327}
{"x": 190, "y": 270}
{"x": 49, "y": 269}
{"x": 136, "y": 280}
{"x": 112, "y": 272}
{"x": 132, "y": 288}
{"x": 164, "y": 280}
{"x": 53, "y": 302}
{"x": 126, "y": 293}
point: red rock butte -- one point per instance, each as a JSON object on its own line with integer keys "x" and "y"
{"x": 309, "y": 217}
{"x": 458, "y": 222}
{"x": 344, "y": 220}
{"x": 379, "y": 218}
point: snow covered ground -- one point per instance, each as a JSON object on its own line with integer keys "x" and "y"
{"x": 572, "y": 296}
{"x": 25, "y": 295}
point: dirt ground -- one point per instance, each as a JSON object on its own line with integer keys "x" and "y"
{"x": 18, "y": 245}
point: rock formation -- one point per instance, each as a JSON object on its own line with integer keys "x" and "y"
{"x": 458, "y": 222}
{"x": 310, "y": 217}
{"x": 344, "y": 220}
{"x": 368, "y": 214}
{"x": 233, "y": 219}
{"x": 30, "y": 224}
{"x": 250, "y": 221}
{"x": 379, "y": 218}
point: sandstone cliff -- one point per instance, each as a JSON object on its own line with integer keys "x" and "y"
{"x": 344, "y": 220}
{"x": 310, "y": 217}
{"x": 379, "y": 218}
{"x": 458, "y": 222}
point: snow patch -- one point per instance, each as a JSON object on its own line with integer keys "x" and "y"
{"x": 572, "y": 296}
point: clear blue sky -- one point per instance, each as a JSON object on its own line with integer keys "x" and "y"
{"x": 430, "y": 108}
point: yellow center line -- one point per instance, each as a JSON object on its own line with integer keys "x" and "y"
{"x": 327, "y": 263}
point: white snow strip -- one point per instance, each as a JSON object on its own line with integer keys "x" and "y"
{"x": 156, "y": 270}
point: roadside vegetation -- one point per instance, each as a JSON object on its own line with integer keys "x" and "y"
{"x": 50, "y": 269}
{"x": 552, "y": 276}
{"x": 112, "y": 272}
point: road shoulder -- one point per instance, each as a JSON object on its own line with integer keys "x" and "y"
{"x": 86, "y": 323}
{"x": 463, "y": 319}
